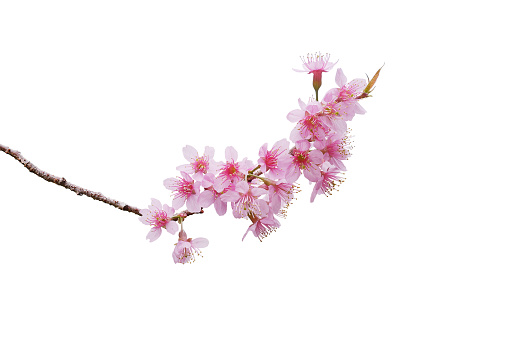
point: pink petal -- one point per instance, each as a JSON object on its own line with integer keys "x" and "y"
{"x": 302, "y": 145}
{"x": 316, "y": 156}
{"x": 295, "y": 115}
{"x": 231, "y": 154}
{"x": 295, "y": 135}
{"x": 220, "y": 207}
{"x": 302, "y": 105}
{"x": 263, "y": 150}
{"x": 185, "y": 168}
{"x": 250, "y": 228}
{"x": 143, "y": 218}
{"x": 154, "y": 233}
{"x": 315, "y": 190}
{"x": 169, "y": 183}
{"x": 209, "y": 152}
{"x": 169, "y": 210}
{"x": 231, "y": 196}
{"x": 292, "y": 174}
{"x": 199, "y": 242}
{"x": 282, "y": 144}
{"x": 357, "y": 86}
{"x": 192, "y": 203}
{"x": 190, "y": 153}
{"x": 172, "y": 227}
{"x": 242, "y": 187}
{"x": 206, "y": 198}
{"x": 340, "y": 78}
{"x": 157, "y": 204}
{"x": 256, "y": 191}
{"x": 312, "y": 173}
{"x": 178, "y": 202}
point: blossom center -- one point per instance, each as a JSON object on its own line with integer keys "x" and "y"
{"x": 201, "y": 165}
{"x": 159, "y": 219}
{"x": 301, "y": 158}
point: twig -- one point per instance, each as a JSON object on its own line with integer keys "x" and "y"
{"x": 63, "y": 182}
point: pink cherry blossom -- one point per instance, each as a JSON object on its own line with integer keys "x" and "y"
{"x": 275, "y": 161}
{"x": 185, "y": 190}
{"x": 261, "y": 228}
{"x": 348, "y": 93}
{"x": 328, "y": 181}
{"x": 334, "y": 113}
{"x": 159, "y": 217}
{"x": 310, "y": 124}
{"x": 304, "y": 161}
{"x": 335, "y": 149}
{"x": 186, "y": 248}
{"x": 198, "y": 166}
{"x": 245, "y": 199}
{"x": 211, "y": 196}
{"x": 233, "y": 171}
{"x": 280, "y": 195}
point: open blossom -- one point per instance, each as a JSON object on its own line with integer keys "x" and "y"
{"x": 198, "y": 166}
{"x": 349, "y": 92}
{"x": 275, "y": 161}
{"x": 245, "y": 199}
{"x": 304, "y": 161}
{"x": 159, "y": 217}
{"x": 280, "y": 195}
{"x": 185, "y": 190}
{"x": 334, "y": 112}
{"x": 261, "y": 228}
{"x": 310, "y": 124}
{"x": 335, "y": 149}
{"x": 211, "y": 195}
{"x": 186, "y": 248}
{"x": 233, "y": 171}
{"x": 328, "y": 181}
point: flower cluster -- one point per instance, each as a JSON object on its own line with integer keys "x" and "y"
{"x": 260, "y": 190}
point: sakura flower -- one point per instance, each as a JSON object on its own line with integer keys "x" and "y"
{"x": 233, "y": 171}
{"x": 198, "y": 166}
{"x": 261, "y": 228}
{"x": 159, "y": 217}
{"x": 348, "y": 93}
{"x": 185, "y": 190}
{"x": 276, "y": 160}
{"x": 304, "y": 161}
{"x": 327, "y": 182}
{"x": 310, "y": 124}
{"x": 280, "y": 195}
{"x": 245, "y": 199}
{"x": 316, "y": 64}
{"x": 211, "y": 196}
{"x": 186, "y": 248}
{"x": 335, "y": 149}
{"x": 334, "y": 113}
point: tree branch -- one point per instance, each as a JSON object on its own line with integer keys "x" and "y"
{"x": 64, "y": 183}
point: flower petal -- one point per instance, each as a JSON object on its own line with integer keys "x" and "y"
{"x": 199, "y": 242}
{"x": 190, "y": 153}
{"x": 192, "y": 203}
{"x": 340, "y": 78}
{"x": 172, "y": 227}
{"x": 154, "y": 233}
{"x": 295, "y": 115}
{"x": 231, "y": 154}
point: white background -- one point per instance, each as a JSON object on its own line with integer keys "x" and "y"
{"x": 106, "y": 94}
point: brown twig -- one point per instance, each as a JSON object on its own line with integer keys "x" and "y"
{"x": 63, "y": 182}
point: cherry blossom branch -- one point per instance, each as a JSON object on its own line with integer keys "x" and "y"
{"x": 64, "y": 183}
